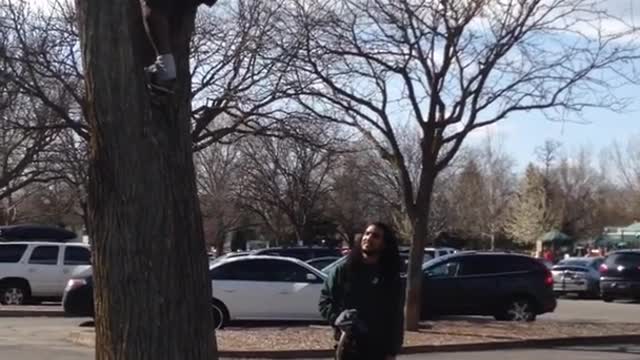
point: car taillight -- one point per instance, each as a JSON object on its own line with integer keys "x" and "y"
{"x": 604, "y": 268}
{"x": 548, "y": 278}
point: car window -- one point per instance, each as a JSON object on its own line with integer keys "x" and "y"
{"x": 76, "y": 255}
{"x": 623, "y": 259}
{"x": 575, "y": 262}
{"x": 12, "y": 253}
{"x": 285, "y": 271}
{"x": 321, "y": 263}
{"x": 301, "y": 254}
{"x": 44, "y": 255}
{"x": 492, "y": 264}
{"x": 325, "y": 253}
{"x": 243, "y": 270}
{"x": 478, "y": 265}
{"x": 445, "y": 269}
{"x": 260, "y": 270}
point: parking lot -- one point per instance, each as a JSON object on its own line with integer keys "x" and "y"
{"x": 595, "y": 310}
{"x": 35, "y": 338}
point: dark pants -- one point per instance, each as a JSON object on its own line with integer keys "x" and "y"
{"x": 364, "y": 356}
{"x": 364, "y": 350}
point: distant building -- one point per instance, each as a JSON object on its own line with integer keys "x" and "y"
{"x": 620, "y": 237}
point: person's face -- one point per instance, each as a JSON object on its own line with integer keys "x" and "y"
{"x": 372, "y": 240}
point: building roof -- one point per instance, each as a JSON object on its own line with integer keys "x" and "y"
{"x": 555, "y": 235}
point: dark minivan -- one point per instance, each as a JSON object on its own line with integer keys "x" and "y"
{"x": 507, "y": 286}
{"x": 620, "y": 275}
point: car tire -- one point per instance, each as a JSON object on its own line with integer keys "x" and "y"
{"x": 220, "y": 314}
{"x": 607, "y": 298}
{"x": 14, "y": 293}
{"x": 518, "y": 309}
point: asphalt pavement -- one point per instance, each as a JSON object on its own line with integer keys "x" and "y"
{"x": 37, "y": 338}
{"x": 595, "y": 311}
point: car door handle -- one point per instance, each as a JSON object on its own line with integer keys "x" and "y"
{"x": 32, "y": 270}
{"x": 228, "y": 291}
{"x": 65, "y": 271}
{"x": 284, "y": 292}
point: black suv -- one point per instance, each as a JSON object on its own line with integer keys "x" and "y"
{"x": 506, "y": 286}
{"x": 302, "y": 253}
{"x": 620, "y": 275}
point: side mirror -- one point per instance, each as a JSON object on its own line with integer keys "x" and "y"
{"x": 311, "y": 277}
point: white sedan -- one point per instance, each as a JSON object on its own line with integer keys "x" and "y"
{"x": 257, "y": 287}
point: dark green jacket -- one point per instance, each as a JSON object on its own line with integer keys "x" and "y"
{"x": 379, "y": 304}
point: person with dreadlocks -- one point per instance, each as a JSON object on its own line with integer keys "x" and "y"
{"x": 368, "y": 283}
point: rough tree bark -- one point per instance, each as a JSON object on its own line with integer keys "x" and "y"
{"x": 150, "y": 267}
{"x": 419, "y": 217}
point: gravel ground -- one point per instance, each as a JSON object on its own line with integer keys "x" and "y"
{"x": 434, "y": 333}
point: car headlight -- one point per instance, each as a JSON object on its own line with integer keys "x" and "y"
{"x": 75, "y": 283}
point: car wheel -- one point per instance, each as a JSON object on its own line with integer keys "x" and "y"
{"x": 518, "y": 309}
{"x": 220, "y": 314}
{"x": 14, "y": 293}
{"x": 607, "y": 298}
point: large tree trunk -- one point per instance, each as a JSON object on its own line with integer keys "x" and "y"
{"x": 151, "y": 282}
{"x": 419, "y": 217}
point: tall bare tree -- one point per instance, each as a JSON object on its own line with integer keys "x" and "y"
{"x": 151, "y": 281}
{"x": 626, "y": 162}
{"x": 578, "y": 186}
{"x": 218, "y": 169}
{"x": 42, "y": 59}
{"x": 451, "y": 67}
{"x": 548, "y": 155}
{"x": 362, "y": 190}
{"x": 500, "y": 181}
{"x": 469, "y": 200}
{"x": 25, "y": 152}
{"x": 237, "y": 67}
{"x": 289, "y": 177}
{"x": 238, "y": 71}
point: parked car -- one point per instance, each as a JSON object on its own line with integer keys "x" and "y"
{"x": 321, "y": 262}
{"x": 438, "y": 252}
{"x": 578, "y": 275}
{"x": 620, "y": 276}
{"x": 429, "y": 252}
{"x": 33, "y": 270}
{"x": 506, "y": 286}
{"x": 404, "y": 258}
{"x": 302, "y": 253}
{"x": 36, "y": 232}
{"x": 258, "y": 287}
{"x": 78, "y": 295}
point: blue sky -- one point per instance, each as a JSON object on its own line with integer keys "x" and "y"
{"x": 523, "y": 134}
{"x": 598, "y": 128}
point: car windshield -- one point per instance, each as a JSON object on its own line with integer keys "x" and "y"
{"x": 327, "y": 269}
{"x": 437, "y": 260}
{"x": 575, "y": 262}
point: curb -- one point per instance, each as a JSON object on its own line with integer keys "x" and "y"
{"x": 87, "y": 339}
{"x": 31, "y": 313}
